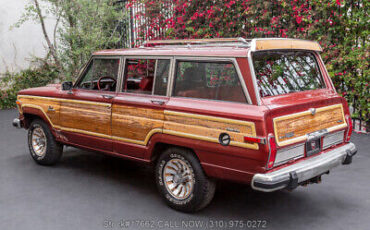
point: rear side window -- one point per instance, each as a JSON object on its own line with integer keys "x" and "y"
{"x": 146, "y": 76}
{"x": 282, "y": 72}
{"x": 208, "y": 80}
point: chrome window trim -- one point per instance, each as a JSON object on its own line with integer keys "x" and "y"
{"x": 119, "y": 85}
{"x": 254, "y": 79}
{"x": 155, "y": 75}
{"x": 171, "y": 77}
{"x": 168, "y": 79}
{"x": 148, "y": 57}
{"x": 83, "y": 71}
{"x": 211, "y": 59}
{"x": 327, "y": 73}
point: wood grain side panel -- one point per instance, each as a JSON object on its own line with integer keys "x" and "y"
{"x": 93, "y": 118}
{"x": 133, "y": 124}
{"x": 298, "y": 125}
{"x": 220, "y": 125}
{"x": 208, "y": 128}
{"x": 43, "y": 104}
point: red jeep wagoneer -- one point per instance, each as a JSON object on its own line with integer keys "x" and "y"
{"x": 261, "y": 111}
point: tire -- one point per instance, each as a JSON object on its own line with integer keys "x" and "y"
{"x": 42, "y": 145}
{"x": 193, "y": 191}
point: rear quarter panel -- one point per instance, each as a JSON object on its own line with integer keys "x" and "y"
{"x": 198, "y": 123}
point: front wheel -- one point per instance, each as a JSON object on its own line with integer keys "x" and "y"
{"x": 181, "y": 181}
{"x": 42, "y": 145}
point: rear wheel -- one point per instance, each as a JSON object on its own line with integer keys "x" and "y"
{"x": 42, "y": 145}
{"x": 182, "y": 182}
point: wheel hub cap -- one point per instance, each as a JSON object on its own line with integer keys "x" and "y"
{"x": 39, "y": 141}
{"x": 179, "y": 180}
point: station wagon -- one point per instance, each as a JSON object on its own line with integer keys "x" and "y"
{"x": 262, "y": 112}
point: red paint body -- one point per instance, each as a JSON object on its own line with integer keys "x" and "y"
{"x": 224, "y": 162}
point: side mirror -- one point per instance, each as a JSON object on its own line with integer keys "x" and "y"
{"x": 67, "y": 85}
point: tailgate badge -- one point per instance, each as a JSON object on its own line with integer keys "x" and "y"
{"x": 313, "y": 111}
{"x": 288, "y": 135}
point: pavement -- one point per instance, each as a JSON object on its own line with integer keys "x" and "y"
{"x": 87, "y": 190}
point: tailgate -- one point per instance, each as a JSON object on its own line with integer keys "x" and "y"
{"x": 294, "y": 127}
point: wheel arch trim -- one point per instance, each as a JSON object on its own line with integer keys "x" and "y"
{"x": 41, "y": 113}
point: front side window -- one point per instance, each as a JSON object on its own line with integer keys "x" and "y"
{"x": 282, "y": 72}
{"x": 101, "y": 74}
{"x": 140, "y": 75}
{"x": 208, "y": 80}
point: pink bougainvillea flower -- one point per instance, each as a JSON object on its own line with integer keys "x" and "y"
{"x": 299, "y": 19}
{"x": 195, "y": 16}
{"x": 180, "y": 20}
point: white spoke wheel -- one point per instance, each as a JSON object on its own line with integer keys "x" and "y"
{"x": 181, "y": 180}
{"x": 42, "y": 145}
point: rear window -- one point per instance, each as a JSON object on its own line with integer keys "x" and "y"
{"x": 282, "y": 72}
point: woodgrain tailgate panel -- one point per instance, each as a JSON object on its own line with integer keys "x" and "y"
{"x": 293, "y": 128}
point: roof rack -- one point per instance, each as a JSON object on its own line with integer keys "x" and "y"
{"x": 239, "y": 42}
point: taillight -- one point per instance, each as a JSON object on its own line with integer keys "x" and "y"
{"x": 350, "y": 127}
{"x": 255, "y": 140}
{"x": 272, "y": 151}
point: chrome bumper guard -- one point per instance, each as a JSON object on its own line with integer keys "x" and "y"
{"x": 292, "y": 175}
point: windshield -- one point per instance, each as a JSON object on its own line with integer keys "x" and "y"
{"x": 282, "y": 72}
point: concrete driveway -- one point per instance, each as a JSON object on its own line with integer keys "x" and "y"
{"x": 87, "y": 190}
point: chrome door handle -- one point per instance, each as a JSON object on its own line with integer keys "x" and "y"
{"x": 107, "y": 96}
{"x": 158, "y": 102}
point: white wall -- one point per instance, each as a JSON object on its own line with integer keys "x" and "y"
{"x": 19, "y": 44}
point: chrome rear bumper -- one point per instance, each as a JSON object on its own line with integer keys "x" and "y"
{"x": 292, "y": 175}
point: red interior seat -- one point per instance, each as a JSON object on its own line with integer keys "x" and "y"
{"x": 146, "y": 84}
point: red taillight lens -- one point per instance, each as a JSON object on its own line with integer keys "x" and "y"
{"x": 272, "y": 151}
{"x": 251, "y": 139}
{"x": 350, "y": 128}
{"x": 255, "y": 140}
